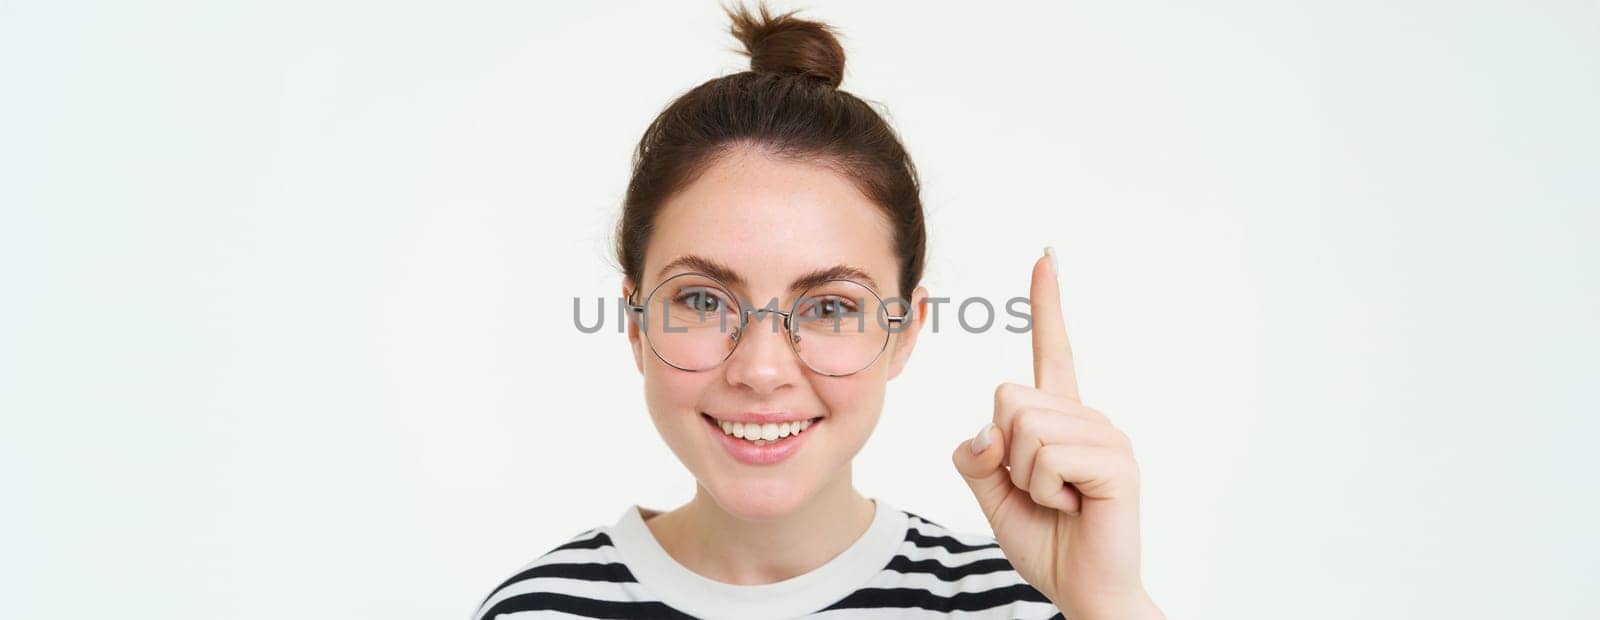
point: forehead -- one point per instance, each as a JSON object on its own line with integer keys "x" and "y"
{"x": 771, "y": 219}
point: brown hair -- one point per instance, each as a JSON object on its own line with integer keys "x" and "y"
{"x": 787, "y": 105}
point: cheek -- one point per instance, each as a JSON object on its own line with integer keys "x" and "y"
{"x": 672, "y": 392}
{"x": 854, "y": 402}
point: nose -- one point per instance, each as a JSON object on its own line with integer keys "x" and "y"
{"x": 763, "y": 361}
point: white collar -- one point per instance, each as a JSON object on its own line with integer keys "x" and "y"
{"x": 699, "y": 596}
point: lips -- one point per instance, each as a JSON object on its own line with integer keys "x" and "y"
{"x": 757, "y": 417}
{"x": 762, "y": 452}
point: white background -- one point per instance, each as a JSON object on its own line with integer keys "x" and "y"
{"x": 285, "y": 290}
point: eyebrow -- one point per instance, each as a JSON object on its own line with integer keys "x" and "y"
{"x": 726, "y": 274}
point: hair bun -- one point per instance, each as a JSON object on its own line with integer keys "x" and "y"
{"x": 784, "y": 44}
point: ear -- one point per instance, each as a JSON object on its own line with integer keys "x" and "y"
{"x": 635, "y": 339}
{"x": 904, "y": 340}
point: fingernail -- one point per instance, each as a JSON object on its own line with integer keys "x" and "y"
{"x": 980, "y": 442}
{"x": 1051, "y": 252}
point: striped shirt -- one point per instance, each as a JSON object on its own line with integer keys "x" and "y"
{"x": 903, "y": 566}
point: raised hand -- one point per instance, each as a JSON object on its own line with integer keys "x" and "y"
{"x": 1057, "y": 481}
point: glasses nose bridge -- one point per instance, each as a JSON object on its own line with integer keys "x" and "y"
{"x": 794, "y": 329}
{"x": 745, "y": 323}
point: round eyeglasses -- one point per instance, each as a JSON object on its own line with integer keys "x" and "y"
{"x": 837, "y": 327}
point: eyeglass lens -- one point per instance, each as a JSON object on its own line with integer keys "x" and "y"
{"x": 693, "y": 323}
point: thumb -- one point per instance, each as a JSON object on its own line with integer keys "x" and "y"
{"x": 990, "y": 482}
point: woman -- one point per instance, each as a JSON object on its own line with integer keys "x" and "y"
{"x": 772, "y": 241}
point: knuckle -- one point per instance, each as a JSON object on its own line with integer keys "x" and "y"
{"x": 1018, "y": 479}
{"x": 1055, "y": 423}
{"x": 1006, "y": 392}
{"x": 1030, "y": 421}
{"x": 1128, "y": 467}
{"x": 1042, "y": 496}
{"x": 1010, "y": 413}
{"x": 1047, "y": 487}
{"x": 1023, "y": 422}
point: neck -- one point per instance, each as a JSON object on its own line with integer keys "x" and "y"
{"x": 723, "y": 547}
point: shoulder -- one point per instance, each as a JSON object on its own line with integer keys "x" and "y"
{"x": 582, "y": 576}
{"x": 938, "y": 569}
{"x": 955, "y": 557}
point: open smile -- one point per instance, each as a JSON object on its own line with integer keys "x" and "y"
{"x": 761, "y": 443}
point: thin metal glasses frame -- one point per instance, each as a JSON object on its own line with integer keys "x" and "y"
{"x": 744, "y": 313}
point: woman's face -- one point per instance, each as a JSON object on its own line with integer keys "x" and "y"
{"x": 769, "y": 222}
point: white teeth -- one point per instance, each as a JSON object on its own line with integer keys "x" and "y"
{"x": 763, "y": 432}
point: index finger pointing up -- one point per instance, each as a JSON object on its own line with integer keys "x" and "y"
{"x": 1052, "y": 353}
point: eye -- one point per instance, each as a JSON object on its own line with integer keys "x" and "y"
{"x": 700, "y": 300}
{"x": 826, "y": 308}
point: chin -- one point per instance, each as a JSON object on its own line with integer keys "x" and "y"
{"x": 759, "y": 499}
